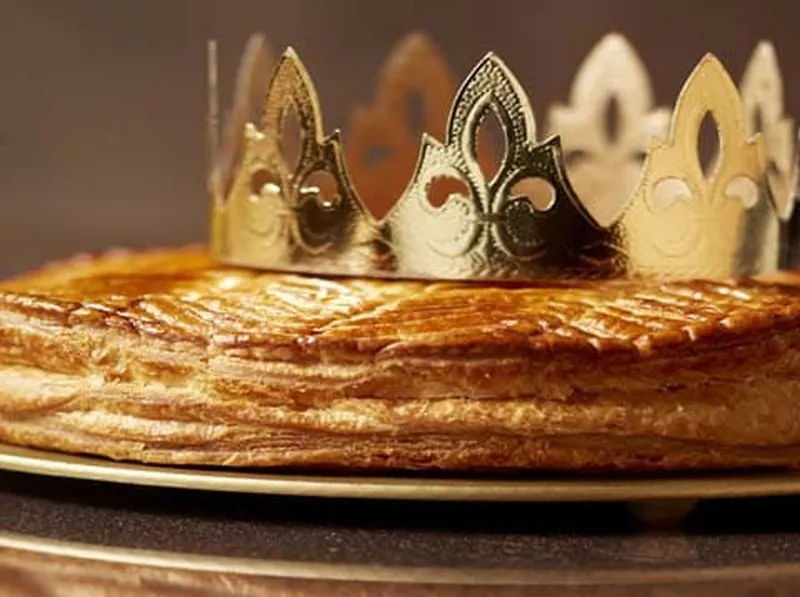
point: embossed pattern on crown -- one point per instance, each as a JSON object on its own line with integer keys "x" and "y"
{"x": 493, "y": 228}
{"x": 291, "y": 204}
{"x": 641, "y": 205}
{"x": 684, "y": 221}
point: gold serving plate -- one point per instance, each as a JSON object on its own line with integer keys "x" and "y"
{"x": 149, "y": 573}
{"x": 532, "y": 488}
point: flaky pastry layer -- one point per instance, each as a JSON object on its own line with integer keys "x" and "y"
{"x": 163, "y": 357}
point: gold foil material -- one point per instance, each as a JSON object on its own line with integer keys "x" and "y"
{"x": 415, "y": 83}
{"x": 291, "y": 204}
{"x": 606, "y": 127}
{"x": 490, "y": 230}
{"x": 252, "y": 81}
{"x": 762, "y": 95}
{"x": 647, "y": 208}
{"x": 412, "y": 96}
{"x": 684, "y": 222}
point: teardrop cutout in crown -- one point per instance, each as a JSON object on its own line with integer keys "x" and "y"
{"x": 629, "y": 200}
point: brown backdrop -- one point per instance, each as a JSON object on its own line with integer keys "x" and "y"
{"x": 102, "y": 105}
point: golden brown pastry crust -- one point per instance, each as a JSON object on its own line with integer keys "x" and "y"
{"x": 163, "y": 357}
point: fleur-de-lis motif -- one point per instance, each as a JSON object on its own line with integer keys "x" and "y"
{"x": 283, "y": 198}
{"x": 490, "y": 224}
{"x": 606, "y": 127}
{"x": 291, "y": 198}
{"x": 252, "y": 80}
{"x": 683, "y": 221}
{"x": 412, "y": 95}
{"x": 762, "y": 95}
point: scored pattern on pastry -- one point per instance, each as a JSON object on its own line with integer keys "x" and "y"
{"x": 163, "y": 357}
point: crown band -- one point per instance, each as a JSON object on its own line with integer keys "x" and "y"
{"x": 284, "y": 196}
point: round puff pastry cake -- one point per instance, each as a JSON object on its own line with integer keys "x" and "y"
{"x": 164, "y": 357}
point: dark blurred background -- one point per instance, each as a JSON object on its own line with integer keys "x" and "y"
{"x": 102, "y": 101}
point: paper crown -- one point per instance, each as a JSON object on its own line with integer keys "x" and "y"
{"x": 596, "y": 199}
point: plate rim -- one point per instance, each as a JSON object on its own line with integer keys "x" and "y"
{"x": 391, "y": 574}
{"x": 429, "y": 488}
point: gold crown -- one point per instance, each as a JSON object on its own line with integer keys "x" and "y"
{"x": 618, "y": 189}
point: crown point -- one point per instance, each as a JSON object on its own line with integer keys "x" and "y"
{"x": 711, "y": 62}
{"x": 709, "y": 58}
{"x": 251, "y": 132}
{"x": 291, "y": 58}
{"x": 766, "y": 49}
{"x": 290, "y": 54}
{"x": 416, "y": 38}
{"x": 615, "y": 40}
{"x": 711, "y": 71}
{"x": 613, "y": 52}
{"x": 763, "y": 72}
{"x": 491, "y": 58}
{"x": 762, "y": 82}
{"x": 282, "y": 228}
{"x": 763, "y": 98}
